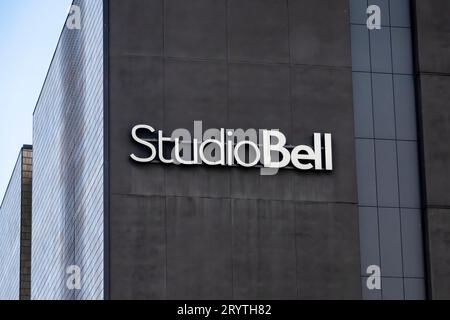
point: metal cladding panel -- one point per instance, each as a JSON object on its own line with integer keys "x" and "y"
{"x": 68, "y": 206}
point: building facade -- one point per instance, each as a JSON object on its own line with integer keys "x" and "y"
{"x": 432, "y": 72}
{"x": 372, "y": 73}
{"x": 68, "y": 182}
{"x": 389, "y": 201}
{"x": 15, "y": 231}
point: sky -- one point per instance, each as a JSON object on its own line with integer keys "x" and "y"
{"x": 29, "y": 33}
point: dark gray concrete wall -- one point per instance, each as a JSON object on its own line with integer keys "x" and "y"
{"x": 223, "y": 233}
{"x": 432, "y": 25}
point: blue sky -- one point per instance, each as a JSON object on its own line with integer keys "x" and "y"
{"x": 29, "y": 32}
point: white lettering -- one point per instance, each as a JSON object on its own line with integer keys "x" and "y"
{"x": 279, "y": 147}
{"x": 221, "y": 147}
{"x": 144, "y": 143}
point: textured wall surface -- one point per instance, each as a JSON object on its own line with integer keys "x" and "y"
{"x": 15, "y": 231}
{"x": 387, "y": 155}
{"x": 25, "y": 223}
{"x": 432, "y": 26}
{"x": 203, "y": 232}
{"x": 68, "y": 163}
{"x": 10, "y": 215}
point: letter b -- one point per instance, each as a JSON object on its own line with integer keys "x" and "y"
{"x": 268, "y": 147}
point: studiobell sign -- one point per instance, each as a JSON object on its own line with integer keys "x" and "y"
{"x": 226, "y": 147}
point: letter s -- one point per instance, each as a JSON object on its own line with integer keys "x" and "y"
{"x": 143, "y": 142}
